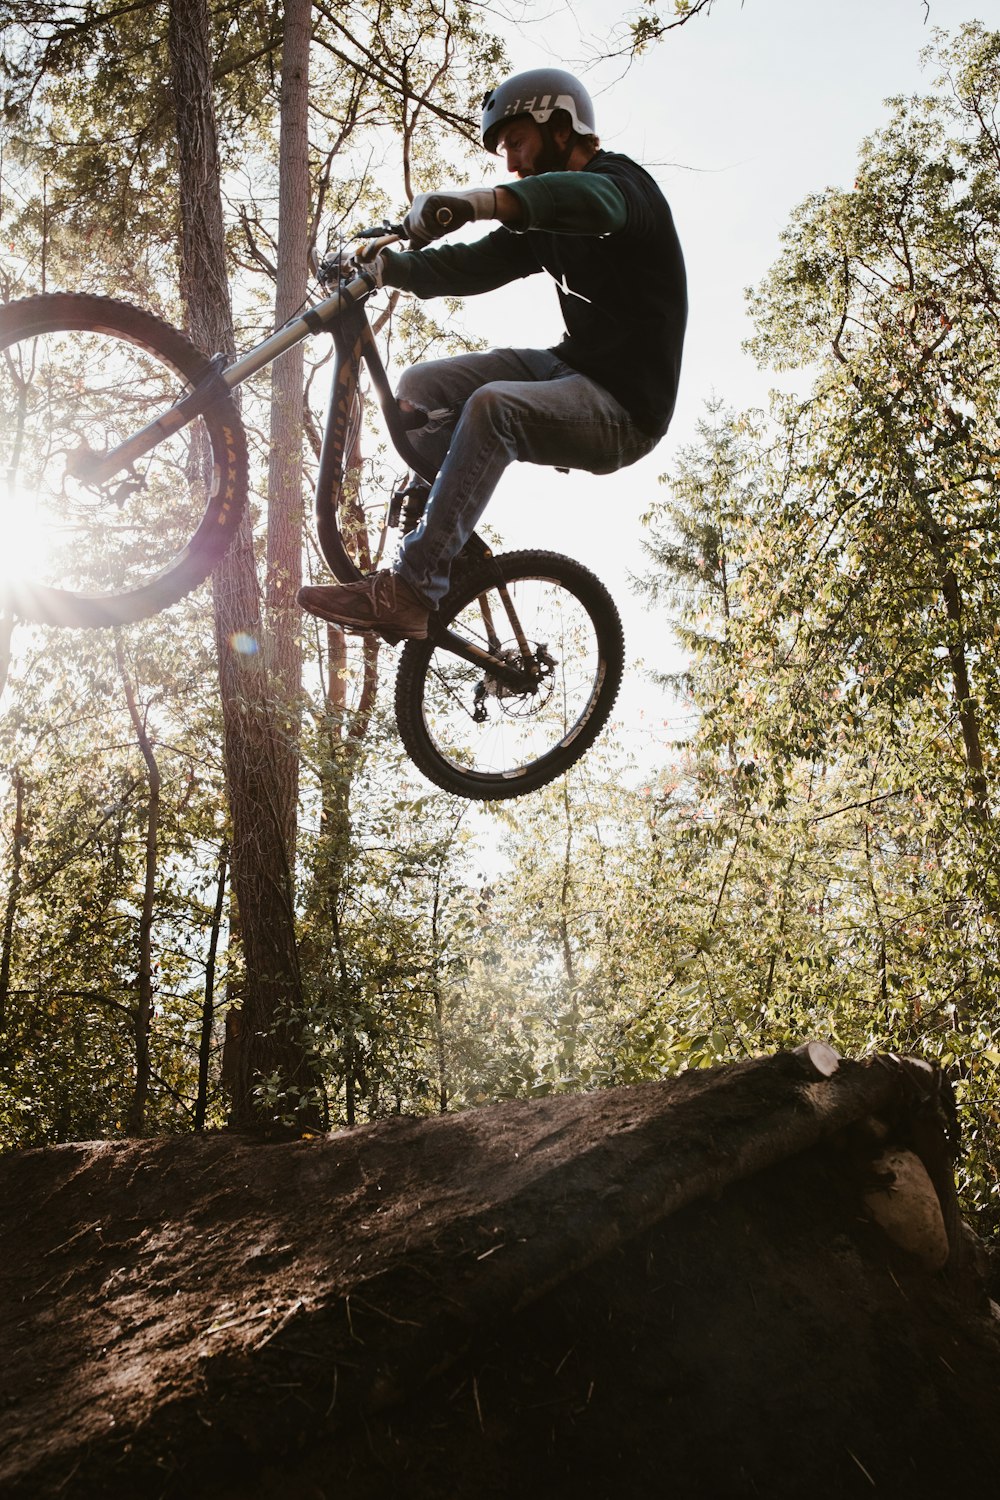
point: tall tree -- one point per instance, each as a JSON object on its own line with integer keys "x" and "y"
{"x": 827, "y": 857}
{"x": 273, "y": 1051}
{"x": 285, "y": 476}
{"x": 107, "y": 157}
{"x": 891, "y": 289}
{"x": 17, "y": 837}
{"x": 143, "y": 1012}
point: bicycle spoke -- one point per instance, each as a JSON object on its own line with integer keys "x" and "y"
{"x": 477, "y": 721}
{"x": 78, "y": 376}
{"x": 76, "y": 390}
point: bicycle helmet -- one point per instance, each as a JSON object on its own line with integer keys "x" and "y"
{"x": 537, "y": 93}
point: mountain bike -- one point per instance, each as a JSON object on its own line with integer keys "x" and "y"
{"x": 127, "y": 474}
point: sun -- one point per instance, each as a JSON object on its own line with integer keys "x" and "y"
{"x": 26, "y": 548}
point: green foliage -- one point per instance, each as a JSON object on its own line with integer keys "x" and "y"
{"x": 89, "y": 152}
{"x": 384, "y": 928}
{"x": 836, "y": 576}
{"x": 67, "y": 1039}
{"x": 646, "y": 26}
{"x": 818, "y": 858}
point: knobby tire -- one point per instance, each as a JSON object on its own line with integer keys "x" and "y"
{"x": 525, "y": 739}
{"x": 199, "y": 481}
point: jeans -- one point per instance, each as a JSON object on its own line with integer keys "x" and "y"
{"x": 483, "y": 412}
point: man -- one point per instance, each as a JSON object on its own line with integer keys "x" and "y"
{"x": 600, "y": 399}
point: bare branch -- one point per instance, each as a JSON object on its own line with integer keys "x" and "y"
{"x": 647, "y": 28}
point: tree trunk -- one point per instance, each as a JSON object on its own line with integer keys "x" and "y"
{"x": 437, "y": 995}
{"x": 284, "y": 487}
{"x": 565, "y": 938}
{"x": 254, "y": 752}
{"x": 142, "y": 1016}
{"x": 13, "y": 894}
{"x": 208, "y": 1003}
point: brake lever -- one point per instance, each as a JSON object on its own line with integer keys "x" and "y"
{"x": 396, "y": 231}
{"x": 332, "y": 268}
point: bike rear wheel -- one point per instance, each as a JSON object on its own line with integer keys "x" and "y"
{"x": 474, "y": 735}
{"x": 79, "y": 373}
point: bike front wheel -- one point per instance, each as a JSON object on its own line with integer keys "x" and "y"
{"x": 466, "y": 724}
{"x": 79, "y": 374}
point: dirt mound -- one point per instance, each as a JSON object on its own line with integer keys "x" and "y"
{"x": 678, "y": 1289}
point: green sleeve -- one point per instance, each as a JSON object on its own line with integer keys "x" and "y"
{"x": 571, "y": 203}
{"x": 461, "y": 270}
{"x": 557, "y": 202}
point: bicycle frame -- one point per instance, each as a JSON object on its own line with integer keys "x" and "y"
{"x": 342, "y": 315}
{"x": 354, "y": 344}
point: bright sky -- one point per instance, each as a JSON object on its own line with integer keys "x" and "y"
{"x": 739, "y": 115}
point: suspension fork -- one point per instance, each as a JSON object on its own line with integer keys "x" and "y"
{"x": 488, "y": 625}
{"x": 482, "y": 553}
{"x": 515, "y": 625}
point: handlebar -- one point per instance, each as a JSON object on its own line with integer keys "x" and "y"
{"x": 391, "y": 231}
{"x": 443, "y": 217}
{"x": 378, "y": 237}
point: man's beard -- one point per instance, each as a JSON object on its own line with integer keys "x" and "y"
{"x": 551, "y": 158}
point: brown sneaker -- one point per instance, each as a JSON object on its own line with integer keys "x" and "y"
{"x": 382, "y": 601}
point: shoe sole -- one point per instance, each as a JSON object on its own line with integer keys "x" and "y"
{"x": 360, "y": 627}
{"x": 390, "y": 632}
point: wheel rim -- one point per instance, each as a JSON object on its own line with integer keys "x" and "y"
{"x": 65, "y": 389}
{"x": 484, "y": 729}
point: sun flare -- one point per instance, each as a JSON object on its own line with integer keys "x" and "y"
{"x": 26, "y": 541}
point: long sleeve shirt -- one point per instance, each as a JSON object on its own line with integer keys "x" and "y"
{"x": 606, "y": 236}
